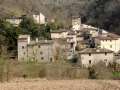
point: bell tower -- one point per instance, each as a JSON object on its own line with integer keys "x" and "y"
{"x": 76, "y": 23}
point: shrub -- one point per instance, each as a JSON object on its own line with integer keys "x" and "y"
{"x": 65, "y": 71}
{"x": 100, "y": 71}
{"x": 116, "y": 75}
{"x": 92, "y": 73}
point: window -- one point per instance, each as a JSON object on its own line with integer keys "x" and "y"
{"x": 105, "y": 53}
{"x": 110, "y": 46}
{"x": 71, "y": 45}
{"x": 41, "y": 53}
{"x": 105, "y": 60}
{"x": 23, "y": 47}
{"x": 42, "y": 58}
{"x": 89, "y": 54}
{"x": 51, "y": 59}
{"x": 89, "y": 61}
{"x": 39, "y": 46}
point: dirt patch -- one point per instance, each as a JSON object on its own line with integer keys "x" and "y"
{"x": 38, "y": 84}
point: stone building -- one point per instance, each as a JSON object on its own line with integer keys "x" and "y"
{"x": 76, "y": 23}
{"x": 38, "y": 51}
{"x": 72, "y": 39}
{"x": 91, "y": 56}
{"x": 61, "y": 49}
{"x": 23, "y": 41}
{"x": 39, "y": 18}
{"x": 109, "y": 41}
{"x": 14, "y": 20}
{"x": 57, "y": 34}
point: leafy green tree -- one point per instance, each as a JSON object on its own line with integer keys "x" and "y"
{"x": 92, "y": 73}
{"x": 29, "y": 27}
{"x": 56, "y": 25}
{"x": 8, "y": 36}
{"x": 104, "y": 14}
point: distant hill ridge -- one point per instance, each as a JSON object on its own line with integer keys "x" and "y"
{"x": 100, "y": 13}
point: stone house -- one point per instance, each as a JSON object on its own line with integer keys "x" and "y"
{"x": 41, "y": 51}
{"x": 76, "y": 23}
{"x": 23, "y": 41}
{"x": 38, "y": 51}
{"x": 91, "y": 56}
{"x": 80, "y": 38}
{"x": 39, "y": 18}
{"x": 14, "y": 20}
{"x": 72, "y": 40}
{"x": 57, "y": 34}
{"x": 109, "y": 41}
{"x": 61, "y": 49}
{"x": 81, "y": 45}
{"x": 94, "y": 32}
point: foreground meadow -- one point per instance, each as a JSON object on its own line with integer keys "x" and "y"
{"x": 42, "y": 84}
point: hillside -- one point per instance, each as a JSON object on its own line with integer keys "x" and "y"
{"x": 100, "y": 13}
{"x": 60, "y": 9}
{"x": 47, "y": 6}
{"x": 104, "y": 14}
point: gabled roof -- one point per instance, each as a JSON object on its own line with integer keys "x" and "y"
{"x": 71, "y": 32}
{"x": 88, "y": 26}
{"x": 59, "y": 31}
{"x": 41, "y": 42}
{"x": 95, "y": 51}
{"x": 14, "y": 17}
{"x": 109, "y": 36}
{"x": 23, "y": 36}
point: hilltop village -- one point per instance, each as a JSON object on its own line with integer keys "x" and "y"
{"x": 83, "y": 44}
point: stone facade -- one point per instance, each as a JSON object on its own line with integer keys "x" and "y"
{"x": 76, "y": 23}
{"x": 59, "y": 34}
{"x": 109, "y": 41}
{"x": 91, "y": 56}
{"x": 39, "y": 51}
{"x": 14, "y": 20}
{"x": 39, "y": 18}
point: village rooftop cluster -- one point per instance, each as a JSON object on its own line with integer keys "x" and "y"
{"x": 89, "y": 44}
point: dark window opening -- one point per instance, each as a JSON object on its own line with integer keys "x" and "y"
{"x": 105, "y": 60}
{"x": 23, "y": 47}
{"x": 39, "y": 46}
{"x": 71, "y": 45}
{"x": 89, "y": 61}
{"x": 42, "y": 58}
{"x": 105, "y": 53}
{"x": 24, "y": 53}
{"x": 110, "y": 46}
{"x": 89, "y": 54}
{"x": 51, "y": 59}
{"x": 41, "y": 53}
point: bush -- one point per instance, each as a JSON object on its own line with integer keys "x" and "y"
{"x": 92, "y": 73}
{"x": 65, "y": 71}
{"x": 116, "y": 75}
{"x": 4, "y": 69}
{"x": 100, "y": 71}
{"x": 58, "y": 70}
